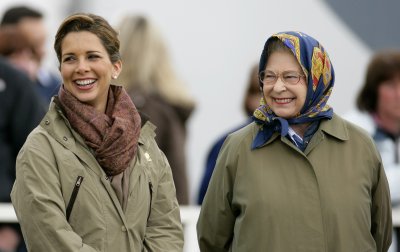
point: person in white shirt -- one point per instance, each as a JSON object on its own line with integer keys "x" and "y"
{"x": 378, "y": 104}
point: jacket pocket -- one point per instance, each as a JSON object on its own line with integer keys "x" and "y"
{"x": 71, "y": 202}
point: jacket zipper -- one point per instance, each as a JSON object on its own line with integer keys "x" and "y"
{"x": 78, "y": 184}
{"x": 151, "y": 198}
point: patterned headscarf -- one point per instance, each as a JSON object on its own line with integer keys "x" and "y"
{"x": 320, "y": 76}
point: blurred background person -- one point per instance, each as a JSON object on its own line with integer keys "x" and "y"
{"x": 251, "y": 101}
{"x": 30, "y": 23}
{"x": 378, "y": 104}
{"x": 20, "y": 112}
{"x": 16, "y": 48}
{"x": 156, "y": 91}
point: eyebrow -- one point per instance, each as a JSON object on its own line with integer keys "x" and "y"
{"x": 93, "y": 52}
{"x": 286, "y": 71}
{"x": 65, "y": 54}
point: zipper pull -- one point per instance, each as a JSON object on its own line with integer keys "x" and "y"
{"x": 78, "y": 181}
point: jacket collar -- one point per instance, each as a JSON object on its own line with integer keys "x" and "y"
{"x": 335, "y": 127}
{"x": 57, "y": 125}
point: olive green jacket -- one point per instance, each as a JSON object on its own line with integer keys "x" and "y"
{"x": 57, "y": 176}
{"x": 334, "y": 197}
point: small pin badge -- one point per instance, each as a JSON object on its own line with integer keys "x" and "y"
{"x": 147, "y": 155}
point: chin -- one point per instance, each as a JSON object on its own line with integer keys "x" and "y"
{"x": 85, "y": 98}
{"x": 284, "y": 114}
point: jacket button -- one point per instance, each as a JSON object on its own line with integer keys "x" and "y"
{"x": 123, "y": 228}
{"x": 47, "y": 122}
{"x": 65, "y": 138}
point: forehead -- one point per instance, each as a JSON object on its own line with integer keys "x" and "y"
{"x": 75, "y": 42}
{"x": 282, "y": 60}
{"x": 33, "y": 28}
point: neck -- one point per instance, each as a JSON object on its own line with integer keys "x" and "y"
{"x": 300, "y": 129}
{"x": 101, "y": 108}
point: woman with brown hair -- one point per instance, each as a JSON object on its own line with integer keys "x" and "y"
{"x": 91, "y": 177}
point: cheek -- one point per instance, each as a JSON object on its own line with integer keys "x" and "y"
{"x": 267, "y": 95}
{"x": 65, "y": 71}
{"x": 302, "y": 99}
{"x": 104, "y": 71}
{"x": 385, "y": 100}
{"x": 384, "y": 95}
{"x": 302, "y": 94}
{"x": 266, "y": 92}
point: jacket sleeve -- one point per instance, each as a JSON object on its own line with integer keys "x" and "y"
{"x": 387, "y": 149}
{"x": 217, "y": 216}
{"x": 38, "y": 202}
{"x": 381, "y": 228}
{"x": 164, "y": 230}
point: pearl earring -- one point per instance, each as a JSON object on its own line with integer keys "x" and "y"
{"x": 114, "y": 77}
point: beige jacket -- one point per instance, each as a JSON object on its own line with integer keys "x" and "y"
{"x": 57, "y": 175}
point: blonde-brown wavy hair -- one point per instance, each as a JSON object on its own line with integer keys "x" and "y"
{"x": 147, "y": 65}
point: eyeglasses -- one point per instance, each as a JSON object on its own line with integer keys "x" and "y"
{"x": 289, "y": 77}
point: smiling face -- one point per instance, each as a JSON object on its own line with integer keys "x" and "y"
{"x": 86, "y": 68}
{"x": 285, "y": 100}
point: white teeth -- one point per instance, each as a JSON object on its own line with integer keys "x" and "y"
{"x": 286, "y": 100}
{"x": 84, "y": 82}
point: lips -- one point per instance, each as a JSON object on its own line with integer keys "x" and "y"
{"x": 283, "y": 100}
{"x": 85, "y": 82}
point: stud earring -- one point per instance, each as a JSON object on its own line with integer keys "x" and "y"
{"x": 114, "y": 77}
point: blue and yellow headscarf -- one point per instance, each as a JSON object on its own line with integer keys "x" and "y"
{"x": 318, "y": 69}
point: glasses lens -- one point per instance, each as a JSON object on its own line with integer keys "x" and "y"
{"x": 291, "y": 78}
{"x": 269, "y": 78}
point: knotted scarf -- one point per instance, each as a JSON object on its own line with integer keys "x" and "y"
{"x": 320, "y": 76}
{"x": 113, "y": 136}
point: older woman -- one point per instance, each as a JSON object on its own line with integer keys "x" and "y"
{"x": 299, "y": 178}
{"x": 91, "y": 177}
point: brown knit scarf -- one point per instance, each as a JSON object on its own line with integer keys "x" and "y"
{"x": 114, "y": 135}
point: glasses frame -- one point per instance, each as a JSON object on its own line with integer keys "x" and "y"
{"x": 281, "y": 76}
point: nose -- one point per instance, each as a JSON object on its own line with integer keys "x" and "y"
{"x": 279, "y": 85}
{"x": 82, "y": 66}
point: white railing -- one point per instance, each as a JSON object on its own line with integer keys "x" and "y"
{"x": 7, "y": 213}
{"x": 189, "y": 215}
